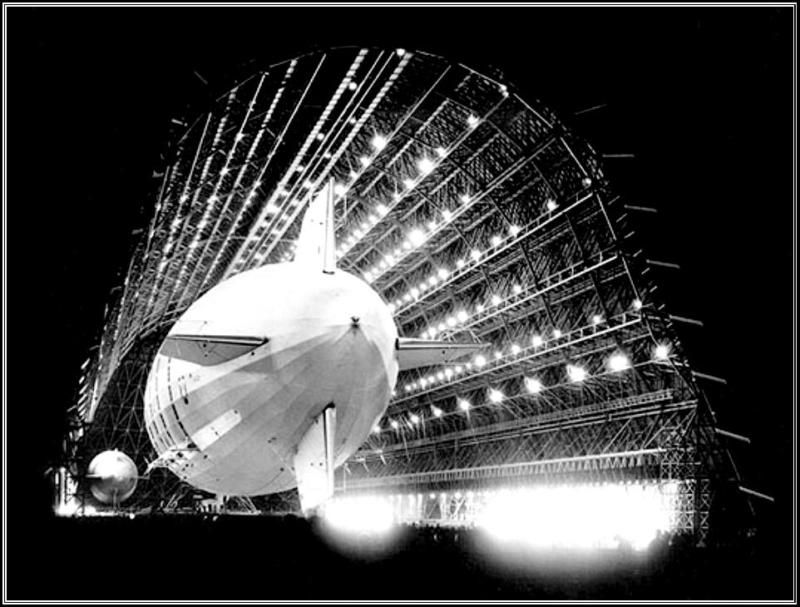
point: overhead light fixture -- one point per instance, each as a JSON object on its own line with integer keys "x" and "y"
{"x": 495, "y": 396}
{"x": 417, "y": 237}
{"x": 576, "y": 373}
{"x": 379, "y": 142}
{"x": 533, "y": 385}
{"x": 426, "y": 165}
{"x": 618, "y": 362}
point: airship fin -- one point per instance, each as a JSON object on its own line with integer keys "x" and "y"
{"x": 413, "y": 353}
{"x": 209, "y": 350}
{"x": 316, "y": 245}
{"x": 314, "y": 461}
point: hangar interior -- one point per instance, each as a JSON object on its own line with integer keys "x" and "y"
{"x": 478, "y": 216}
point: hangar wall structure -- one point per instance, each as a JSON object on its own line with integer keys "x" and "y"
{"x": 477, "y": 216}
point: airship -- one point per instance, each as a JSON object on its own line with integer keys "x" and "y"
{"x": 274, "y": 377}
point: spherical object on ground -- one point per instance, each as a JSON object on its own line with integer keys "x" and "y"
{"x": 113, "y": 477}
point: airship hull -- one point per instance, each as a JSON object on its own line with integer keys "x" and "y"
{"x": 229, "y": 422}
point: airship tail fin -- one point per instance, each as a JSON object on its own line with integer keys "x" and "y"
{"x": 414, "y": 353}
{"x": 316, "y": 245}
{"x": 314, "y": 461}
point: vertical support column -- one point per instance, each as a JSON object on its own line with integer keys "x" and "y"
{"x": 702, "y": 510}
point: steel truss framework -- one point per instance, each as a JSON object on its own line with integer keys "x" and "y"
{"x": 477, "y": 216}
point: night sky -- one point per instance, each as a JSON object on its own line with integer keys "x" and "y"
{"x": 701, "y": 97}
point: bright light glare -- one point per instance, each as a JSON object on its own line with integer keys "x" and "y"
{"x": 379, "y": 142}
{"x": 662, "y": 352}
{"x": 69, "y": 508}
{"x": 495, "y": 396}
{"x": 533, "y": 385}
{"x": 426, "y": 165}
{"x": 618, "y": 362}
{"x": 583, "y": 516}
{"x": 361, "y": 515}
{"x": 537, "y": 341}
{"x": 417, "y": 237}
{"x": 576, "y": 373}
{"x": 463, "y": 404}
{"x": 480, "y": 360}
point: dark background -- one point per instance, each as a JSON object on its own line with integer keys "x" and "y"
{"x": 702, "y": 97}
